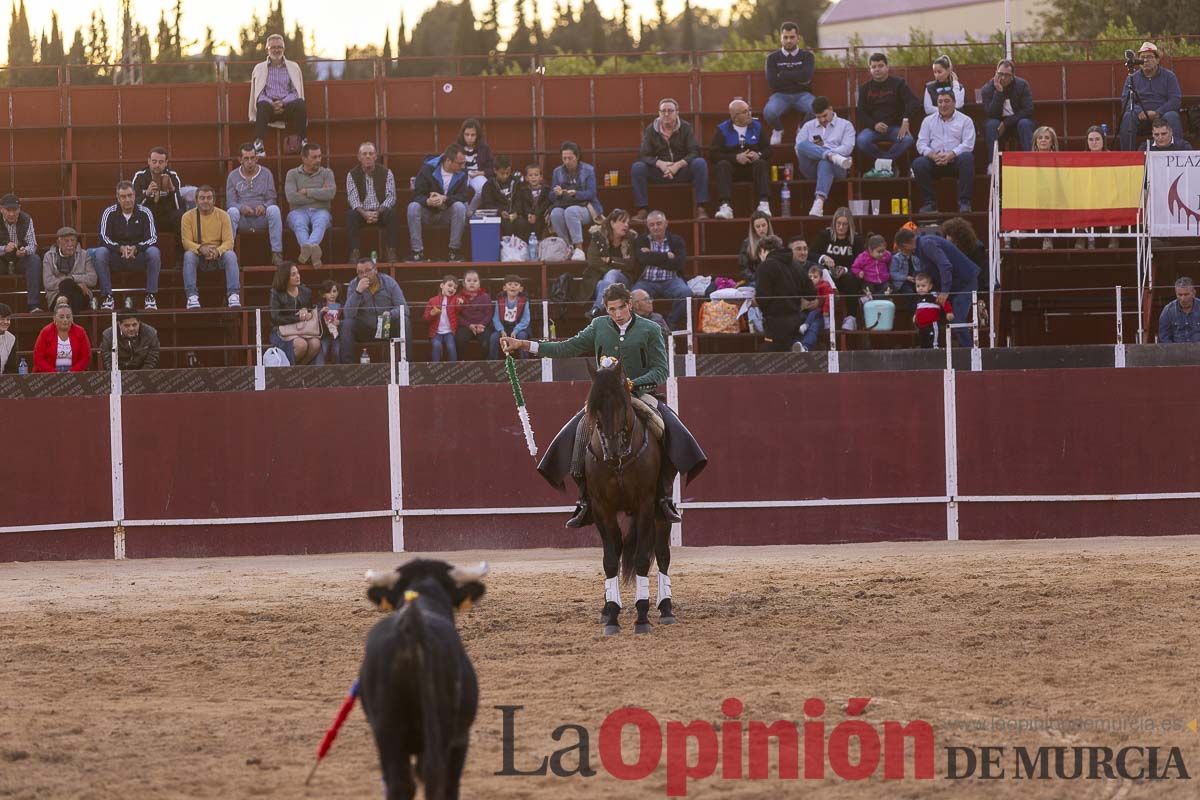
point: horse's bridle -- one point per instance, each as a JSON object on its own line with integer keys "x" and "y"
{"x": 625, "y": 456}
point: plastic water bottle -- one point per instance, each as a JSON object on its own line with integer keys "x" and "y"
{"x": 785, "y": 200}
{"x": 387, "y": 326}
{"x": 23, "y": 367}
{"x": 533, "y": 246}
{"x": 365, "y": 358}
{"x": 374, "y": 256}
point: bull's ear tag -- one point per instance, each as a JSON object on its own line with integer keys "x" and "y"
{"x": 410, "y": 595}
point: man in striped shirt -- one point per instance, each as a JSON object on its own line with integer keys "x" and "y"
{"x": 19, "y": 249}
{"x": 371, "y": 193}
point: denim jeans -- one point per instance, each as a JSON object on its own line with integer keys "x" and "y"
{"x": 643, "y": 173}
{"x": 810, "y": 158}
{"x": 455, "y": 217}
{"x": 444, "y": 343}
{"x": 31, "y": 265}
{"x": 780, "y": 103}
{"x": 477, "y": 183}
{"x": 610, "y": 277}
{"x": 868, "y": 141}
{"x": 816, "y": 323}
{"x": 1131, "y": 126}
{"x": 568, "y": 223}
{"x": 675, "y": 288}
{"x": 309, "y": 224}
{"x": 1023, "y": 131}
{"x": 272, "y": 222}
{"x": 107, "y": 262}
{"x": 193, "y": 262}
{"x": 494, "y": 342}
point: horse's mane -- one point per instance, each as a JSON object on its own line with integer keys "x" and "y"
{"x": 608, "y": 396}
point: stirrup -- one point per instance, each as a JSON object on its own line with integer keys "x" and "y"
{"x": 667, "y": 510}
{"x": 582, "y": 516}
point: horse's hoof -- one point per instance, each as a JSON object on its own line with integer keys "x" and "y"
{"x": 612, "y": 630}
{"x": 642, "y": 627}
{"x": 666, "y": 611}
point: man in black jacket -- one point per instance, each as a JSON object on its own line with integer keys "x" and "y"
{"x": 371, "y": 197}
{"x": 440, "y": 197}
{"x": 128, "y": 241}
{"x": 157, "y": 188}
{"x": 886, "y": 108}
{"x": 669, "y": 154}
{"x": 1164, "y": 137}
{"x": 661, "y": 255}
{"x": 789, "y": 74}
{"x": 1008, "y": 104}
{"x": 137, "y": 344}
{"x": 785, "y": 293}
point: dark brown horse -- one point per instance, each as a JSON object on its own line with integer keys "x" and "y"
{"x": 622, "y": 468}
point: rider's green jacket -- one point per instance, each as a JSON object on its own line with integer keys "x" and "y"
{"x": 641, "y": 349}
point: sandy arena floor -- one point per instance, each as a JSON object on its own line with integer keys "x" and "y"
{"x": 216, "y": 678}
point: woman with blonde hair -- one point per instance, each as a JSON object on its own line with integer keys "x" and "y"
{"x": 760, "y": 228}
{"x": 944, "y": 77}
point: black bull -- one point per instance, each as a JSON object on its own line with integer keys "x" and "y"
{"x": 418, "y": 688}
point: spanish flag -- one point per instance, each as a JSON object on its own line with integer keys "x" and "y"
{"x": 1070, "y": 190}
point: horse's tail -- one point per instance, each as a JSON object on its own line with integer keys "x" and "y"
{"x": 629, "y": 537}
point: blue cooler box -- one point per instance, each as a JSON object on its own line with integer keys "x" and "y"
{"x": 879, "y": 315}
{"x": 485, "y": 238}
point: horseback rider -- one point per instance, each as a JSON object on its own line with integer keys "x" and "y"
{"x": 638, "y": 344}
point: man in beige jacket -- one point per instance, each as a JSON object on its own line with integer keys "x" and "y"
{"x": 277, "y": 95}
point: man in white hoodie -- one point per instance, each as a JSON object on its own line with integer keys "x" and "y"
{"x": 823, "y": 148}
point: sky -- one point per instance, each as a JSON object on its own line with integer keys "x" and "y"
{"x": 333, "y": 31}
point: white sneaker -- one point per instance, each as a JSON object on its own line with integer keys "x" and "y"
{"x": 845, "y": 162}
{"x": 776, "y": 138}
{"x": 799, "y": 347}
{"x": 724, "y": 212}
{"x": 818, "y": 207}
{"x": 235, "y": 301}
{"x": 803, "y": 328}
{"x": 578, "y": 255}
{"x": 193, "y": 302}
{"x": 259, "y": 150}
{"x": 764, "y": 207}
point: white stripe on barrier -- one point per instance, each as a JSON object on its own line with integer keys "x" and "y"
{"x": 59, "y": 526}
{"x": 1076, "y": 498}
{"x": 394, "y": 455}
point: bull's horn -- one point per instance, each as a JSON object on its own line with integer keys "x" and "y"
{"x": 462, "y": 575}
{"x": 384, "y": 580}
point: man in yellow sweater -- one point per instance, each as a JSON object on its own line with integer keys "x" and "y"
{"x": 207, "y": 245}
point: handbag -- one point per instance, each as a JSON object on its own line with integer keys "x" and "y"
{"x": 305, "y": 329}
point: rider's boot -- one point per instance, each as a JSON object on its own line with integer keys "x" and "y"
{"x": 665, "y": 505}
{"x": 583, "y": 509}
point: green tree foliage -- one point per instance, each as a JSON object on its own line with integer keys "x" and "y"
{"x": 21, "y": 48}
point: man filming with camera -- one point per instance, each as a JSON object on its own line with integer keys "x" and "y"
{"x": 1150, "y": 93}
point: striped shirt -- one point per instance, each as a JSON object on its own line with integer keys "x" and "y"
{"x": 30, "y": 243}
{"x": 279, "y": 84}
{"x": 370, "y": 202}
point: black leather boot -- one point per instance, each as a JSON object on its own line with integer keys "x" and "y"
{"x": 665, "y": 505}
{"x": 583, "y": 509}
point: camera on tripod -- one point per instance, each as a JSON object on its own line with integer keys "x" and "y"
{"x": 1132, "y": 62}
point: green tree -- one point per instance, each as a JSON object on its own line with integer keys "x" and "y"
{"x": 755, "y": 19}
{"x": 21, "y": 47}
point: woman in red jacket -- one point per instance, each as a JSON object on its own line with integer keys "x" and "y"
{"x": 62, "y": 346}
